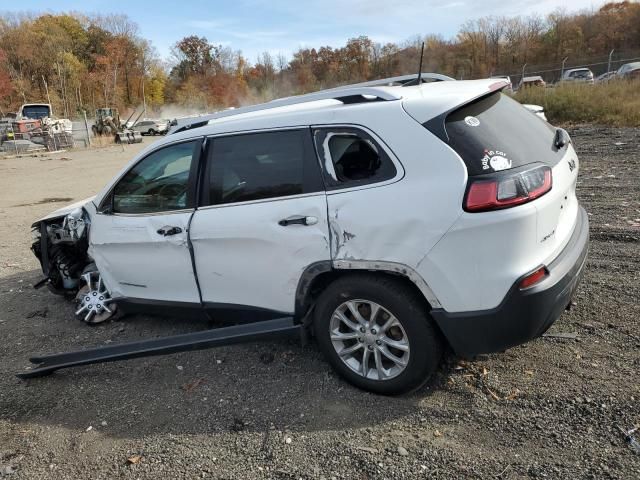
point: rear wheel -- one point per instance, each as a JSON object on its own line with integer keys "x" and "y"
{"x": 151, "y": 132}
{"x": 377, "y": 333}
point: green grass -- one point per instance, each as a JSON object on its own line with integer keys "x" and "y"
{"x": 615, "y": 103}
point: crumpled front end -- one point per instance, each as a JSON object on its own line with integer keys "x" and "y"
{"x": 60, "y": 244}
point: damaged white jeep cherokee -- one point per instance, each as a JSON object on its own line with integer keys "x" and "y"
{"x": 392, "y": 219}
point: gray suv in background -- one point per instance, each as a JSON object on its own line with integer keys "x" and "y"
{"x": 581, "y": 75}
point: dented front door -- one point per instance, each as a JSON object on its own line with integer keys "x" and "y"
{"x": 145, "y": 257}
{"x": 140, "y": 240}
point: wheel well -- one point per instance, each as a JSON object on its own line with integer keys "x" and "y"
{"x": 311, "y": 291}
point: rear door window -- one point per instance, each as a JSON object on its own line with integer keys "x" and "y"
{"x": 258, "y": 166}
{"x": 497, "y": 133}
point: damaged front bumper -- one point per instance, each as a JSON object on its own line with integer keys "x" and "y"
{"x": 60, "y": 244}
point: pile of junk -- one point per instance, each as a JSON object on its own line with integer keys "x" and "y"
{"x": 34, "y": 128}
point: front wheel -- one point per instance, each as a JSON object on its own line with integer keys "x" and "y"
{"x": 377, "y": 334}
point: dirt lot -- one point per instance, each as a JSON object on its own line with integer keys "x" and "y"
{"x": 549, "y": 409}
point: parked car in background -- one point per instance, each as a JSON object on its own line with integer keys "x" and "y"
{"x": 580, "y": 75}
{"x": 309, "y": 213}
{"x": 629, "y": 71}
{"x": 534, "y": 81}
{"x": 152, "y": 127}
{"x": 605, "y": 77}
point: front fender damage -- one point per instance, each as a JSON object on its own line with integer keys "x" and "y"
{"x": 60, "y": 244}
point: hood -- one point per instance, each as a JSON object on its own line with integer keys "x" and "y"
{"x": 61, "y": 212}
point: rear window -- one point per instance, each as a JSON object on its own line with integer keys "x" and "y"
{"x": 580, "y": 73}
{"x": 497, "y": 133}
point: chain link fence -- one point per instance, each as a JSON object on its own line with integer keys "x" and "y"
{"x": 552, "y": 72}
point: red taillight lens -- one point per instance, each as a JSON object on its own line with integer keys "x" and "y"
{"x": 533, "y": 278}
{"x": 507, "y": 189}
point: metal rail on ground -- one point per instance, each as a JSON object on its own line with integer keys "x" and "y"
{"x": 217, "y": 337}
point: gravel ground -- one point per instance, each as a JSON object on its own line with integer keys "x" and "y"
{"x": 548, "y": 409}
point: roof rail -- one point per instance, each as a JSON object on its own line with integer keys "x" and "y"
{"x": 403, "y": 80}
{"x": 348, "y": 94}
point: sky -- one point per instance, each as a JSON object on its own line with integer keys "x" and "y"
{"x": 283, "y": 26}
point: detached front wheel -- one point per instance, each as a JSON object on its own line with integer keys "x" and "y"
{"x": 93, "y": 301}
{"x": 377, "y": 334}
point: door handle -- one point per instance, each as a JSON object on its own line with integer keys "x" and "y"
{"x": 298, "y": 221}
{"x": 168, "y": 230}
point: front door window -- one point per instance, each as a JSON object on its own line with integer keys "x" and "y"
{"x": 158, "y": 183}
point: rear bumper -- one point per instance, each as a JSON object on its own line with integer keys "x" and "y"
{"x": 523, "y": 314}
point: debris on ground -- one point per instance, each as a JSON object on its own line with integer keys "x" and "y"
{"x": 562, "y": 335}
{"x": 267, "y": 358}
{"x": 631, "y": 439}
{"x": 19, "y": 146}
{"x": 134, "y": 459}
{"x": 8, "y": 470}
{"x": 190, "y": 386}
{"x": 366, "y": 449}
{"x": 238, "y": 424}
{"x": 38, "y": 313}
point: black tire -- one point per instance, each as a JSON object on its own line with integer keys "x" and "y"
{"x": 425, "y": 340}
{"x": 151, "y": 132}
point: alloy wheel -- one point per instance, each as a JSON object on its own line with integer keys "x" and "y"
{"x": 369, "y": 339}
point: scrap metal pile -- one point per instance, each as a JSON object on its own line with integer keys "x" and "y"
{"x": 34, "y": 128}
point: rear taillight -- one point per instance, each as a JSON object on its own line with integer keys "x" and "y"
{"x": 507, "y": 188}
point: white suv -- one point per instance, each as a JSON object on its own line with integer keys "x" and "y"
{"x": 391, "y": 220}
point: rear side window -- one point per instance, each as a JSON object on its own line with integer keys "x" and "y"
{"x": 497, "y": 133}
{"x": 351, "y": 157}
{"x": 259, "y": 166}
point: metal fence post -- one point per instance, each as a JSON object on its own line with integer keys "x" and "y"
{"x": 562, "y": 69}
{"x": 15, "y": 140}
{"x": 86, "y": 126}
{"x": 609, "y": 64}
{"x": 522, "y": 79}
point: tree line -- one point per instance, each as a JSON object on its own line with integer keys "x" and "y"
{"x": 79, "y": 62}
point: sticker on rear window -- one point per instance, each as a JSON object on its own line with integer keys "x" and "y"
{"x": 496, "y": 160}
{"x": 471, "y": 121}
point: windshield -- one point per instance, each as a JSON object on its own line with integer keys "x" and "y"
{"x": 36, "y": 112}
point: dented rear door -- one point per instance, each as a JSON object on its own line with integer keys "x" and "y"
{"x": 261, "y": 223}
